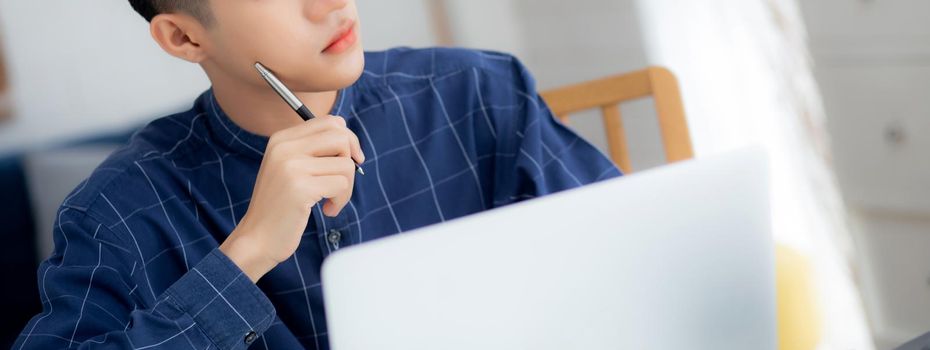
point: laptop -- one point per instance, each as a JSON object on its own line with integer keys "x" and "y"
{"x": 678, "y": 257}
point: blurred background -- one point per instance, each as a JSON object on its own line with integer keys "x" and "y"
{"x": 836, "y": 90}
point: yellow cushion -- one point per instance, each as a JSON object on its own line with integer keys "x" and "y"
{"x": 798, "y": 317}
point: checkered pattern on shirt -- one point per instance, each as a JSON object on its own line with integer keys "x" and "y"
{"x": 446, "y": 132}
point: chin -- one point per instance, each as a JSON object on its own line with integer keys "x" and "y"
{"x": 338, "y": 75}
{"x": 348, "y": 70}
{"x": 326, "y": 74}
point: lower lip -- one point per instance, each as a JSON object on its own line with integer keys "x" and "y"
{"x": 343, "y": 44}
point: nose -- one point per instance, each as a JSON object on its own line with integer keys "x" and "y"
{"x": 319, "y": 10}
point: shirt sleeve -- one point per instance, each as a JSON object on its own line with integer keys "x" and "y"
{"x": 536, "y": 154}
{"x": 89, "y": 290}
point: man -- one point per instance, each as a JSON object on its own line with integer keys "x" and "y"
{"x": 208, "y": 229}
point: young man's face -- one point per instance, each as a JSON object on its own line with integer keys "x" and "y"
{"x": 312, "y": 45}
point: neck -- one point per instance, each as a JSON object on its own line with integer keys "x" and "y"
{"x": 259, "y": 110}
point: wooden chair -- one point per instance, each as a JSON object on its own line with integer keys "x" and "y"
{"x": 798, "y": 321}
{"x": 607, "y": 94}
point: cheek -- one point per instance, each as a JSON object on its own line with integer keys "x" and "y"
{"x": 271, "y": 42}
{"x": 285, "y": 52}
{"x": 270, "y": 49}
{"x": 291, "y": 52}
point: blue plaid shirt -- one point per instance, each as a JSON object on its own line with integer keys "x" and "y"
{"x": 447, "y": 132}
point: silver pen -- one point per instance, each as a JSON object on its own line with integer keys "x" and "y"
{"x": 291, "y": 99}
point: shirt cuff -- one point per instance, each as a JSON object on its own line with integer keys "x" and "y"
{"x": 230, "y": 309}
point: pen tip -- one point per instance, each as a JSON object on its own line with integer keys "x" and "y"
{"x": 359, "y": 169}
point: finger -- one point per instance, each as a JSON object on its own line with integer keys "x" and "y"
{"x": 355, "y": 146}
{"x": 327, "y": 187}
{"x": 311, "y": 127}
{"x": 339, "y": 123}
{"x": 329, "y": 144}
{"x": 357, "y": 152}
{"x": 324, "y": 166}
{"x": 334, "y": 205}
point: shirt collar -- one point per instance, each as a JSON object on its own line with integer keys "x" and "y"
{"x": 233, "y": 138}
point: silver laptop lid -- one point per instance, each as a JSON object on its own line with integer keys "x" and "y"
{"x": 678, "y": 257}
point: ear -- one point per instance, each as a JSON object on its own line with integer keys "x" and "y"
{"x": 179, "y": 35}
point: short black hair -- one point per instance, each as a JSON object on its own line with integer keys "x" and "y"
{"x": 199, "y": 9}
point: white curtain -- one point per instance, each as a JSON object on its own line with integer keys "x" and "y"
{"x": 746, "y": 79}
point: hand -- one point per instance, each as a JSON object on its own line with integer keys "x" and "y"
{"x": 302, "y": 165}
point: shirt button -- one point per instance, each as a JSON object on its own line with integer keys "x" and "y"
{"x": 334, "y": 237}
{"x": 249, "y": 338}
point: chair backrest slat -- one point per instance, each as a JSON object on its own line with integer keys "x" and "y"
{"x": 608, "y": 93}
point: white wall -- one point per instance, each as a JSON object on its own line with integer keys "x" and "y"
{"x": 80, "y": 67}
{"x": 573, "y": 41}
{"x": 387, "y": 24}
{"x": 873, "y": 63}
{"x": 83, "y": 67}
{"x": 90, "y": 66}
{"x": 487, "y": 24}
{"x": 565, "y": 42}
{"x": 743, "y": 66}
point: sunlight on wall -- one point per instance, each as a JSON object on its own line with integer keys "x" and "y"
{"x": 745, "y": 77}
